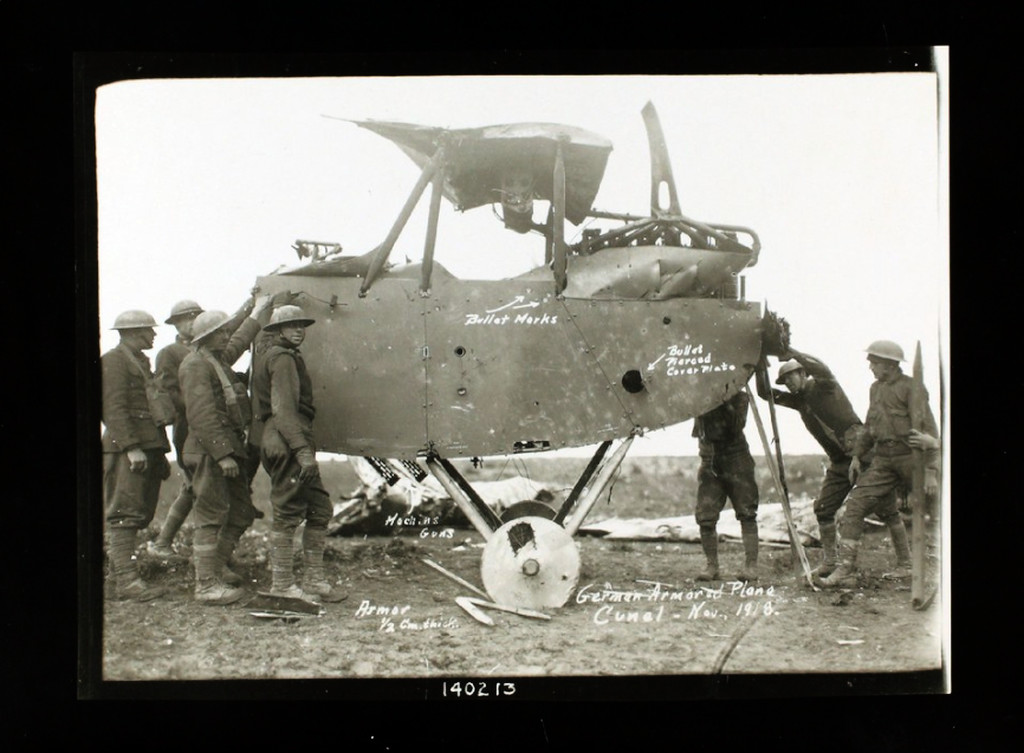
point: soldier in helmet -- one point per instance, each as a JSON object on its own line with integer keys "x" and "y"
{"x": 218, "y": 413}
{"x": 168, "y": 361}
{"x": 134, "y": 450}
{"x": 887, "y": 432}
{"x": 726, "y": 472}
{"x": 828, "y": 415}
{"x": 283, "y": 409}
{"x": 183, "y": 313}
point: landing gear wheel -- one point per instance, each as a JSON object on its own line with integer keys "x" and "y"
{"x": 527, "y": 507}
{"x": 530, "y": 562}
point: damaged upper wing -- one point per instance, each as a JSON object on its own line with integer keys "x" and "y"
{"x": 483, "y": 163}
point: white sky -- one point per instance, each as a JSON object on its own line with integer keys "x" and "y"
{"x": 204, "y": 184}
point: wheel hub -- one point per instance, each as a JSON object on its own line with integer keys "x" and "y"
{"x": 530, "y": 562}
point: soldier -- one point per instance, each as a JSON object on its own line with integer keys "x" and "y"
{"x": 218, "y": 413}
{"x": 168, "y": 361}
{"x": 829, "y": 417}
{"x": 887, "y": 431}
{"x": 183, "y": 313}
{"x": 726, "y": 471}
{"x": 134, "y": 449}
{"x": 283, "y": 405}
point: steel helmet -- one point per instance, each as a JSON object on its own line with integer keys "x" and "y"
{"x": 134, "y": 319}
{"x": 183, "y": 308}
{"x": 786, "y": 368}
{"x": 207, "y": 323}
{"x": 288, "y": 315}
{"x": 885, "y": 349}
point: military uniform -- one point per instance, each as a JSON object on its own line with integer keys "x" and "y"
{"x": 726, "y": 472}
{"x": 283, "y": 412}
{"x": 886, "y": 431}
{"x": 223, "y": 506}
{"x": 130, "y": 497}
{"x": 168, "y": 363}
{"x": 828, "y": 415}
{"x": 261, "y": 345}
{"x": 283, "y": 402}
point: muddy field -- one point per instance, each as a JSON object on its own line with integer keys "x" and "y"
{"x": 400, "y": 633}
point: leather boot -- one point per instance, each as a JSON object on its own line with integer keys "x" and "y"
{"x": 140, "y": 590}
{"x": 314, "y": 578}
{"x": 829, "y": 556}
{"x": 846, "y": 574}
{"x": 901, "y": 544}
{"x": 709, "y": 543}
{"x": 128, "y": 580}
{"x": 210, "y": 589}
{"x": 749, "y": 572}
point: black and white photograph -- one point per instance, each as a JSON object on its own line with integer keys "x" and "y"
{"x": 458, "y": 386}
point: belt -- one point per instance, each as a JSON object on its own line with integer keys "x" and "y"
{"x": 889, "y": 447}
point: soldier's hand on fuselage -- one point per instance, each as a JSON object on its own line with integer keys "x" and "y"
{"x": 228, "y": 466}
{"x": 262, "y": 304}
{"x": 931, "y": 482}
{"x": 137, "y": 460}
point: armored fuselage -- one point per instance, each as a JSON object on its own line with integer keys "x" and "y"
{"x": 478, "y": 367}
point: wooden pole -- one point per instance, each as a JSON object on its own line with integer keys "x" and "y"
{"x": 917, "y": 495}
{"x": 452, "y": 576}
{"x": 778, "y": 451}
{"x": 794, "y": 538}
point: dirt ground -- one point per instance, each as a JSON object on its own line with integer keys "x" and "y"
{"x": 400, "y": 620}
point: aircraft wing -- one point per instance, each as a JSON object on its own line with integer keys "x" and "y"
{"x": 477, "y": 158}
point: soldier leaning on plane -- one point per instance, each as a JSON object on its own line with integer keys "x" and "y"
{"x": 218, "y": 412}
{"x": 283, "y": 404}
{"x": 888, "y": 433}
{"x": 828, "y": 415}
{"x": 168, "y": 361}
{"x": 726, "y": 471}
{"x": 134, "y": 449}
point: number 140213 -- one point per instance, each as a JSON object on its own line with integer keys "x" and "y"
{"x": 476, "y": 689}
